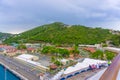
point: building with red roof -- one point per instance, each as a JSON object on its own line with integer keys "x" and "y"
{"x": 9, "y": 50}
{"x": 31, "y": 50}
{"x": 90, "y": 49}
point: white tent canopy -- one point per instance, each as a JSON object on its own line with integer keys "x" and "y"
{"x": 57, "y": 76}
{"x": 84, "y": 64}
{"x": 92, "y": 61}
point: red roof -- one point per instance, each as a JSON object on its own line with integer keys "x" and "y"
{"x": 30, "y": 49}
{"x": 92, "y": 50}
{"x": 8, "y": 48}
{"x": 53, "y": 66}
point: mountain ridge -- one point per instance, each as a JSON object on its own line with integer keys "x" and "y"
{"x": 60, "y": 33}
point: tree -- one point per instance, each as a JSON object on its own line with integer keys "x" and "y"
{"x": 109, "y": 55}
{"x": 21, "y": 46}
{"x": 116, "y": 40}
{"x": 46, "y": 49}
{"x": 64, "y": 52}
{"x": 53, "y": 59}
{"x": 58, "y": 52}
{"x": 58, "y": 63}
{"x": 103, "y": 55}
{"x": 59, "y": 33}
{"x": 98, "y": 54}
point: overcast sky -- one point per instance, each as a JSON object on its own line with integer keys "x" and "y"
{"x": 20, "y": 15}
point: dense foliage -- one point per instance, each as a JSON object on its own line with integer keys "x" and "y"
{"x": 58, "y": 52}
{"x": 116, "y": 40}
{"x": 106, "y": 55}
{"x": 4, "y": 35}
{"x": 21, "y": 46}
{"x": 59, "y": 33}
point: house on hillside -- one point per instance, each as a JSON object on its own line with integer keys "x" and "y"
{"x": 14, "y": 44}
{"x": 114, "y": 32}
{"x": 35, "y": 45}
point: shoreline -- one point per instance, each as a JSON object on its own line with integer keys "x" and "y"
{"x": 14, "y": 72}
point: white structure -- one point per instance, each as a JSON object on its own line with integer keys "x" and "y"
{"x": 41, "y": 77}
{"x": 35, "y": 45}
{"x": 82, "y": 65}
{"x": 113, "y": 49}
{"x": 28, "y": 57}
{"x": 58, "y": 75}
{"x": 86, "y": 45}
{"x": 64, "y": 61}
{"x": 94, "y": 46}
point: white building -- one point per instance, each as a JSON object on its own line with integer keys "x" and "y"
{"x": 28, "y": 57}
{"x": 113, "y": 49}
{"x": 35, "y": 45}
{"x": 64, "y": 61}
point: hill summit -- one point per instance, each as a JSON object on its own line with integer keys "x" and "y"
{"x": 60, "y": 33}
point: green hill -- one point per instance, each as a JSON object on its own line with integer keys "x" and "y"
{"x": 59, "y": 33}
{"x": 4, "y": 36}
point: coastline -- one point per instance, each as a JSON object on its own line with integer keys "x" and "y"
{"x": 14, "y": 72}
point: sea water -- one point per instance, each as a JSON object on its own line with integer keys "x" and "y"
{"x": 5, "y": 74}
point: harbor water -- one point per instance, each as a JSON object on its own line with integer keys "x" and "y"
{"x": 6, "y": 74}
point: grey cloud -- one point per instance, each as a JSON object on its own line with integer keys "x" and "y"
{"x": 25, "y": 14}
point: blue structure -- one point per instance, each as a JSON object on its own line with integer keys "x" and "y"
{"x": 62, "y": 79}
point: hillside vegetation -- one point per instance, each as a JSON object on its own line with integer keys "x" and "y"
{"x": 4, "y": 36}
{"x": 59, "y": 33}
